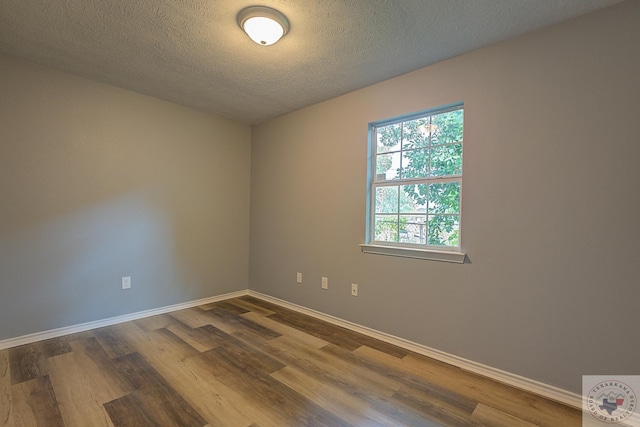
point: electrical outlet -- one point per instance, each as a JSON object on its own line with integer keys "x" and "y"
{"x": 126, "y": 282}
{"x": 354, "y": 289}
{"x": 325, "y": 283}
{"x": 299, "y": 278}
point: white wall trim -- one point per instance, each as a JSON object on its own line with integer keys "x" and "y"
{"x": 533, "y": 386}
{"x": 54, "y": 333}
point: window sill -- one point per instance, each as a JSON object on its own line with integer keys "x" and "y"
{"x": 444, "y": 256}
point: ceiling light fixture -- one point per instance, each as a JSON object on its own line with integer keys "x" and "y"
{"x": 264, "y": 25}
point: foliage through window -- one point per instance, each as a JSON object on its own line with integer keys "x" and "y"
{"x": 416, "y": 178}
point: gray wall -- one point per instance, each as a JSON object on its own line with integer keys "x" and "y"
{"x": 98, "y": 183}
{"x": 551, "y": 206}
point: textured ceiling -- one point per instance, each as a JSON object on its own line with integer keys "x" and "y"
{"x": 192, "y": 52}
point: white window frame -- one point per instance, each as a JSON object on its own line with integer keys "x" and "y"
{"x": 408, "y": 250}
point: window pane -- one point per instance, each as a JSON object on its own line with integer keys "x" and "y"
{"x": 388, "y": 138}
{"x": 387, "y": 166}
{"x": 447, "y": 127}
{"x": 415, "y": 163}
{"x": 415, "y": 133}
{"x": 413, "y": 229}
{"x": 446, "y": 160}
{"x": 386, "y": 228}
{"x": 386, "y": 199}
{"x": 444, "y": 198}
{"x": 413, "y": 198}
{"x": 418, "y": 208}
{"x": 444, "y": 230}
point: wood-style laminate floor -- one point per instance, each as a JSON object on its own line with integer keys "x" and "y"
{"x": 247, "y": 362}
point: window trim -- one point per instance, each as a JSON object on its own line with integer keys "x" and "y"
{"x": 452, "y": 256}
{"x": 407, "y": 250}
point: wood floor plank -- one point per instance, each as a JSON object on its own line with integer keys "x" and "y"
{"x": 323, "y": 330}
{"x": 434, "y": 396}
{"x": 192, "y": 317}
{"x": 334, "y": 334}
{"x": 371, "y": 386}
{"x": 285, "y": 330}
{"x": 54, "y": 347}
{"x": 78, "y": 404}
{"x": 6, "y": 419}
{"x": 331, "y": 369}
{"x": 84, "y": 335}
{"x": 334, "y": 399}
{"x": 35, "y": 404}
{"x": 153, "y": 396}
{"x": 126, "y": 412}
{"x": 437, "y": 404}
{"x": 26, "y": 363}
{"x": 230, "y": 322}
{"x": 251, "y": 308}
{"x": 214, "y": 334}
{"x": 327, "y": 332}
{"x": 378, "y": 356}
{"x": 219, "y": 404}
{"x": 195, "y": 337}
{"x": 155, "y": 322}
{"x": 226, "y": 305}
{"x": 262, "y": 303}
{"x": 160, "y": 340}
{"x": 193, "y": 379}
{"x": 112, "y": 342}
{"x": 29, "y": 361}
{"x": 374, "y": 392}
{"x": 519, "y": 403}
{"x": 489, "y": 416}
{"x": 390, "y": 349}
{"x": 83, "y": 381}
{"x": 99, "y": 370}
{"x": 285, "y": 404}
{"x": 239, "y": 354}
{"x": 438, "y": 412}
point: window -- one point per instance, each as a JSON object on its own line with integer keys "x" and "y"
{"x": 415, "y": 180}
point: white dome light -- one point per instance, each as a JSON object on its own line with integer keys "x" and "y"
{"x": 263, "y": 25}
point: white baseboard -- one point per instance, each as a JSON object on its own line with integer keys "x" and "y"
{"x": 545, "y": 390}
{"x": 536, "y": 387}
{"x": 54, "y": 333}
